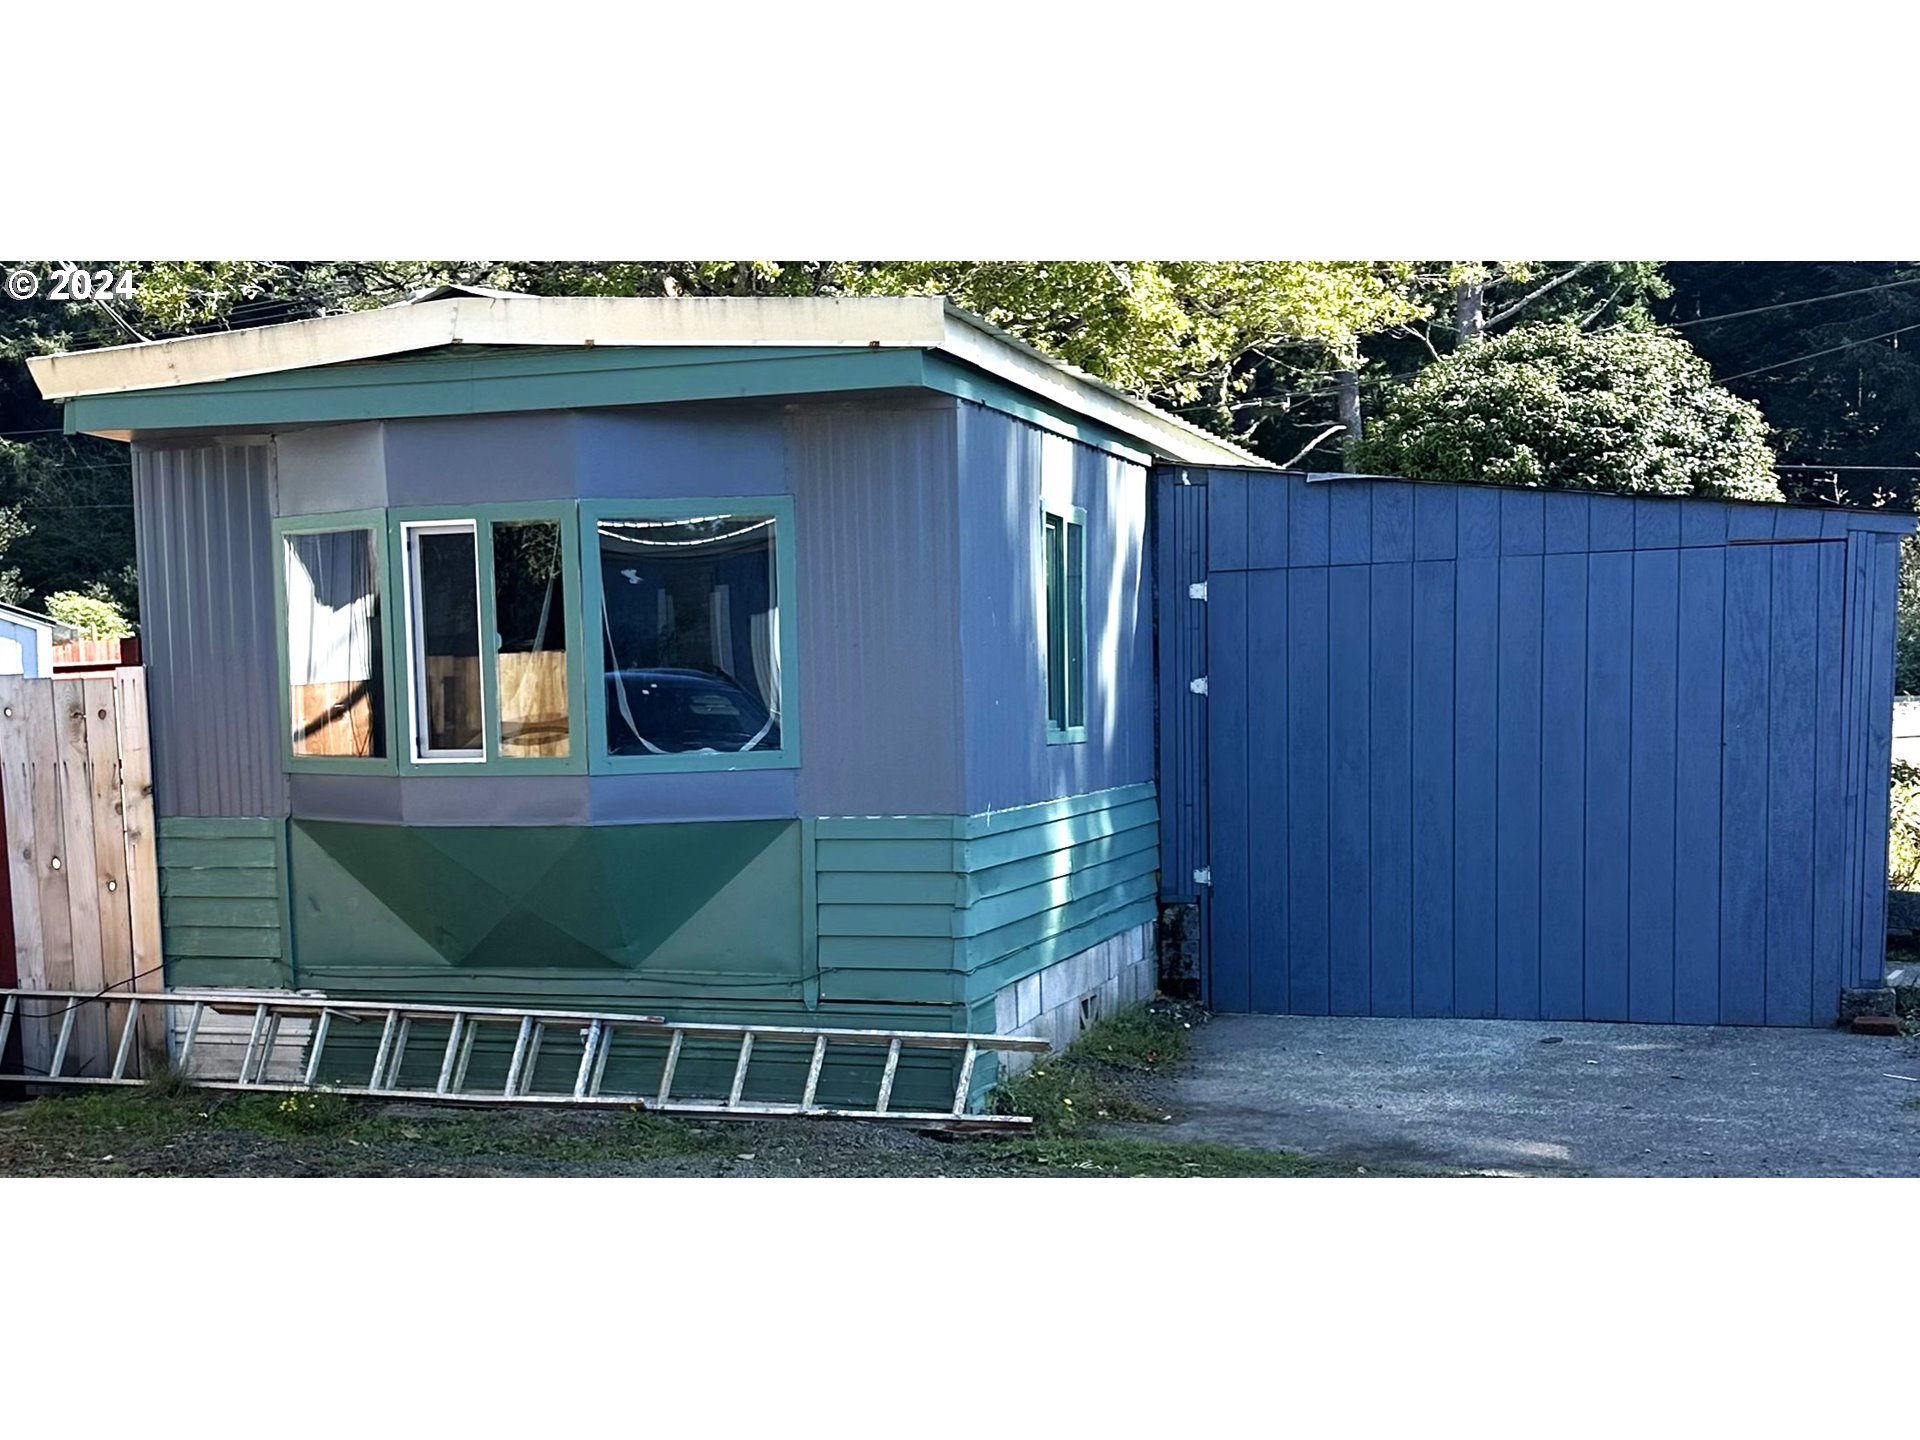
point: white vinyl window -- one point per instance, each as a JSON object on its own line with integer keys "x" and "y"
{"x": 448, "y": 715}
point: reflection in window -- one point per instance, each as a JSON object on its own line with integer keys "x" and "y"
{"x": 530, "y": 607}
{"x": 444, "y": 654}
{"x": 1066, "y": 638}
{"x": 690, "y": 635}
{"x": 334, "y": 674}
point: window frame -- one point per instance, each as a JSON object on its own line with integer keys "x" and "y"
{"x": 1072, "y": 518}
{"x": 786, "y": 591}
{"x": 483, "y": 518}
{"x": 375, "y": 523}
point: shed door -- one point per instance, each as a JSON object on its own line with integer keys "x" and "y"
{"x": 1601, "y": 785}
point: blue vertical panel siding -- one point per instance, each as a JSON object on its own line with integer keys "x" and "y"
{"x": 1433, "y": 894}
{"x": 1743, "y": 787}
{"x": 1267, "y": 512}
{"x": 1308, "y": 760}
{"x": 1793, "y": 673}
{"x": 1309, "y": 534}
{"x": 1656, "y": 524}
{"x": 1517, "y": 989}
{"x": 1349, "y": 817}
{"x": 1884, "y": 578}
{"x": 1435, "y": 522}
{"x": 1566, "y": 523}
{"x": 1237, "y": 865}
{"x": 1227, "y": 520}
{"x": 1180, "y": 561}
{"x": 204, "y": 521}
{"x": 1523, "y": 515}
{"x": 1479, "y": 523}
{"x": 1701, "y": 664}
{"x": 1392, "y": 522}
{"x": 1266, "y": 785}
{"x": 1350, "y": 524}
{"x": 1475, "y": 766}
{"x": 1567, "y": 756}
{"x": 1656, "y": 629}
{"x": 1609, "y": 770}
{"x": 1390, "y": 792}
{"x": 1609, "y": 522}
{"x": 1563, "y": 782}
{"x": 1830, "y": 836}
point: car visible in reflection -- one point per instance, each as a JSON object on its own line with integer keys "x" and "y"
{"x": 679, "y": 711}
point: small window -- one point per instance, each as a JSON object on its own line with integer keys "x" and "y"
{"x": 530, "y": 657}
{"x": 443, "y": 640}
{"x": 1064, "y": 560}
{"x": 690, "y": 635}
{"x": 335, "y": 668}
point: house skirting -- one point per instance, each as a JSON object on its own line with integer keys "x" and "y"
{"x": 1057, "y": 1004}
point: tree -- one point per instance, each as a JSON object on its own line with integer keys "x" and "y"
{"x": 93, "y": 617}
{"x": 1627, "y": 409}
{"x": 1831, "y": 352}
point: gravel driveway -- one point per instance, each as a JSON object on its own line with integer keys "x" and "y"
{"x": 1542, "y": 1098}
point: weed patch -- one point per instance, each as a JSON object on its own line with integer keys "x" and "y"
{"x": 1096, "y": 1080}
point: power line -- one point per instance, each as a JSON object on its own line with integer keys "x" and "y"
{"x": 1789, "y": 304}
{"x": 1816, "y": 354}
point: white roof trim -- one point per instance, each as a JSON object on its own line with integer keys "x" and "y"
{"x": 464, "y": 316}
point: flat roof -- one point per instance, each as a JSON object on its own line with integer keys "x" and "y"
{"x": 470, "y": 316}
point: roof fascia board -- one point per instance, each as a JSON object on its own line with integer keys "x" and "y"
{"x": 498, "y": 383}
{"x": 964, "y": 383}
{"x": 474, "y": 320}
{"x": 973, "y": 340}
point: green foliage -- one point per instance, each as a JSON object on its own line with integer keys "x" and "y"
{"x": 1906, "y": 620}
{"x": 1095, "y": 1080}
{"x": 1630, "y": 410}
{"x": 1903, "y": 830}
{"x": 93, "y": 617}
{"x": 1172, "y": 330}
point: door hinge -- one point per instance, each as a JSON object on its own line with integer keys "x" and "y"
{"x": 1197, "y": 590}
{"x": 1203, "y": 876}
{"x": 1198, "y": 687}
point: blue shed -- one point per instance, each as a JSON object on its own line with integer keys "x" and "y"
{"x": 1460, "y": 750}
{"x": 760, "y": 660}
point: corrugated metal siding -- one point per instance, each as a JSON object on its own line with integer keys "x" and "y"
{"x": 204, "y": 528}
{"x": 1180, "y": 645}
{"x": 1490, "y": 752}
{"x": 26, "y": 649}
{"x": 1008, "y": 760}
{"x": 877, "y": 513}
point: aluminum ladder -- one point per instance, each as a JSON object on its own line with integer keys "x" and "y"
{"x": 457, "y": 1027}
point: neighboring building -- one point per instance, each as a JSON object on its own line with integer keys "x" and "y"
{"x": 26, "y": 643}
{"x": 795, "y": 661}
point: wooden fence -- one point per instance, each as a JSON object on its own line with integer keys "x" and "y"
{"x": 76, "y": 788}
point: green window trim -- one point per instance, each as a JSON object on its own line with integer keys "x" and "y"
{"x": 400, "y": 634}
{"x": 374, "y": 522}
{"x": 786, "y": 590}
{"x": 587, "y": 750}
{"x": 1063, "y": 616}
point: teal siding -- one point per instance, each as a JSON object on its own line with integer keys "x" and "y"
{"x": 223, "y": 901}
{"x": 950, "y": 909}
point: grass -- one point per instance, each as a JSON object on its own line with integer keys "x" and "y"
{"x": 1098, "y": 1080}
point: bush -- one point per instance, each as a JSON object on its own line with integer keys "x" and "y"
{"x": 1623, "y": 410}
{"x": 92, "y": 617}
{"x": 1903, "y": 828}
